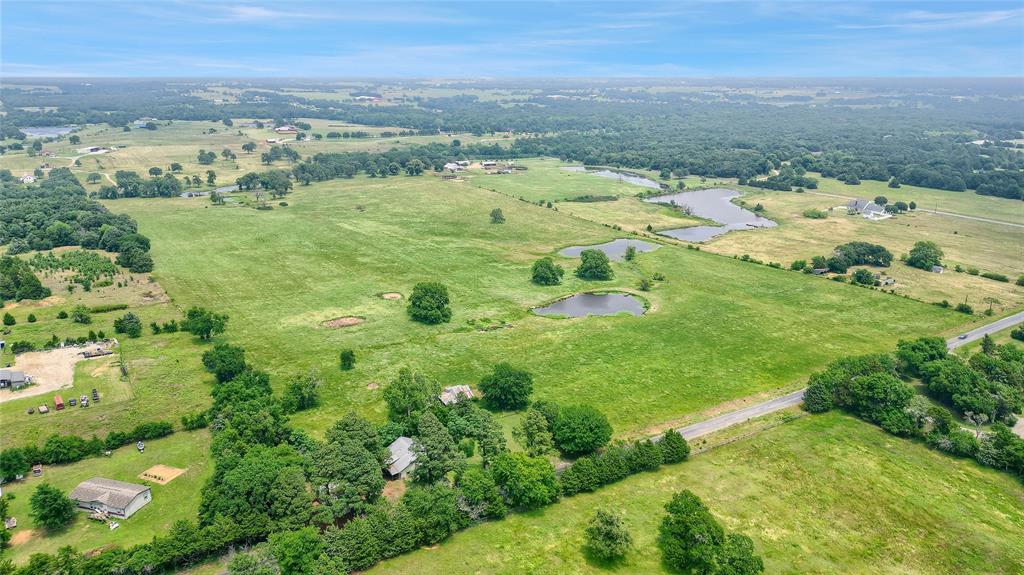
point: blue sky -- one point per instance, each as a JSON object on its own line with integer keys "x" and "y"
{"x": 501, "y": 39}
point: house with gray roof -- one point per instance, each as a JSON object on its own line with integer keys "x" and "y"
{"x": 454, "y": 394}
{"x": 402, "y": 460}
{"x": 868, "y": 209}
{"x": 113, "y": 497}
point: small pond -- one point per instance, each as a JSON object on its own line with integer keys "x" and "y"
{"x": 584, "y": 304}
{"x": 615, "y": 175}
{"x": 615, "y": 249}
{"x": 227, "y": 189}
{"x": 46, "y": 131}
{"x": 713, "y": 204}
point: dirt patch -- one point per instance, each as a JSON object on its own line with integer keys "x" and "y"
{"x": 22, "y": 536}
{"x": 50, "y": 370}
{"x": 161, "y": 474}
{"x": 391, "y": 295}
{"x": 393, "y": 490}
{"x": 372, "y": 385}
{"x": 344, "y": 321}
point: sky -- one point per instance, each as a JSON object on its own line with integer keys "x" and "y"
{"x": 188, "y": 38}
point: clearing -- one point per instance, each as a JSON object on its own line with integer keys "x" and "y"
{"x": 51, "y": 370}
{"x": 161, "y": 474}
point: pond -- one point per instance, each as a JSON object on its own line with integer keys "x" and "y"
{"x": 227, "y": 189}
{"x": 46, "y": 131}
{"x": 615, "y": 249}
{"x": 712, "y": 204}
{"x": 615, "y": 175}
{"x": 584, "y": 304}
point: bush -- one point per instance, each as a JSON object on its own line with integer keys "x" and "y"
{"x": 995, "y": 276}
{"x": 1018, "y": 333}
{"x": 815, "y": 214}
{"x": 429, "y": 303}
{"x": 80, "y": 314}
{"x": 964, "y": 308}
{"x": 528, "y": 482}
{"x": 51, "y": 509}
{"x": 606, "y": 537}
{"x": 31, "y": 318}
{"x": 22, "y": 347}
{"x": 347, "y": 359}
{"x": 62, "y": 314}
{"x": 225, "y": 361}
{"x": 9, "y": 319}
{"x": 580, "y": 429}
{"x": 546, "y": 272}
{"x": 108, "y": 307}
{"x": 128, "y": 324}
{"x": 674, "y": 447}
{"x": 507, "y": 387}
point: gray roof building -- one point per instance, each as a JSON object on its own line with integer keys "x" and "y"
{"x": 13, "y": 378}
{"x": 454, "y": 394}
{"x": 111, "y": 496}
{"x": 402, "y": 460}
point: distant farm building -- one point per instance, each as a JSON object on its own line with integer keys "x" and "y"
{"x": 13, "y": 379}
{"x": 110, "y": 496}
{"x": 453, "y": 167}
{"x": 455, "y": 393}
{"x": 402, "y": 460}
{"x": 868, "y": 209}
{"x": 286, "y": 129}
{"x": 27, "y": 179}
{"x": 488, "y": 164}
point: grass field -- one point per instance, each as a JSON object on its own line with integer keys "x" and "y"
{"x": 176, "y": 500}
{"x": 720, "y": 323}
{"x": 985, "y": 246}
{"x": 822, "y": 494}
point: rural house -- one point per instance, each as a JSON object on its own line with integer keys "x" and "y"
{"x": 868, "y": 209}
{"x": 402, "y": 460}
{"x": 453, "y": 167}
{"x": 454, "y": 394}
{"x": 110, "y": 496}
{"x": 13, "y": 379}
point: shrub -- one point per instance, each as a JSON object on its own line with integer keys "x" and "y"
{"x": 964, "y": 308}
{"x": 80, "y": 314}
{"x": 108, "y": 307}
{"x": 347, "y": 359}
{"x": 580, "y": 429}
{"x": 225, "y": 361}
{"x": 546, "y": 272}
{"x": 9, "y": 319}
{"x": 606, "y": 537}
{"x": 528, "y": 482}
{"x": 674, "y": 447}
{"x": 815, "y": 214}
{"x": 429, "y": 303}
{"x": 995, "y": 276}
{"x": 128, "y": 324}
{"x": 62, "y": 314}
{"x": 31, "y": 318}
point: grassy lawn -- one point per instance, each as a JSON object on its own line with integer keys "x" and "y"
{"x": 988, "y": 247}
{"x": 176, "y": 500}
{"x": 822, "y": 494}
{"x": 712, "y": 335}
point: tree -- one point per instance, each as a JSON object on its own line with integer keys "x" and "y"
{"x": 155, "y": 171}
{"x": 351, "y": 427}
{"x": 674, "y": 447}
{"x": 594, "y": 265}
{"x": 347, "y": 359}
{"x": 436, "y": 454}
{"x": 175, "y": 167}
{"x": 581, "y": 429}
{"x": 546, "y": 272}
{"x": 912, "y": 205}
{"x": 206, "y": 158}
{"x": 74, "y": 140}
{"x": 346, "y": 477}
{"x": 689, "y": 537}
{"x": 211, "y": 177}
{"x": 506, "y": 387}
{"x": 9, "y": 319}
{"x": 80, "y": 314}
{"x": 409, "y": 394}
{"x": 497, "y": 217}
{"x": 924, "y": 255}
{"x": 528, "y": 482}
{"x": 630, "y": 254}
{"x": 607, "y": 537}
{"x": 296, "y": 551}
{"x": 93, "y": 177}
{"x": 534, "y": 433}
{"x": 893, "y": 183}
{"x": 737, "y": 556}
{"x": 225, "y": 361}
{"x": 291, "y": 506}
{"x": 429, "y": 303}
{"x": 128, "y": 324}
{"x": 256, "y": 562}
{"x": 249, "y": 147}
{"x": 479, "y": 495}
{"x": 50, "y": 508}
{"x": 863, "y": 277}
{"x": 203, "y": 323}
{"x": 300, "y": 393}
{"x": 881, "y": 200}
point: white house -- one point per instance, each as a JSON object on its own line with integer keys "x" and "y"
{"x": 110, "y": 496}
{"x": 868, "y": 209}
{"x": 453, "y": 167}
{"x": 27, "y": 179}
{"x": 402, "y": 461}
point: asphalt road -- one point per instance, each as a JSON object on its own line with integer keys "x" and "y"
{"x": 723, "y": 421}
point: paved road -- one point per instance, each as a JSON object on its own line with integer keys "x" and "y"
{"x": 723, "y": 421}
{"x": 978, "y": 333}
{"x": 937, "y": 212}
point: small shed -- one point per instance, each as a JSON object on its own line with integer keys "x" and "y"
{"x": 819, "y": 271}
{"x": 402, "y": 460}
{"x": 455, "y": 393}
{"x": 110, "y": 496}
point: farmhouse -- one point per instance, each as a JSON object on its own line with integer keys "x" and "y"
{"x": 27, "y": 179}
{"x": 868, "y": 209}
{"x": 454, "y": 394}
{"x": 285, "y": 129}
{"x": 13, "y": 379}
{"x": 488, "y": 164}
{"x": 114, "y": 497}
{"x": 453, "y": 167}
{"x": 402, "y": 460}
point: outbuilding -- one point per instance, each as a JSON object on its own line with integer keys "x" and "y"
{"x": 938, "y": 269}
{"x": 13, "y": 379}
{"x": 455, "y": 393}
{"x": 402, "y": 460}
{"x": 110, "y": 496}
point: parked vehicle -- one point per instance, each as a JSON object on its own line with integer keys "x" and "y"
{"x": 58, "y": 402}
{"x": 44, "y": 409}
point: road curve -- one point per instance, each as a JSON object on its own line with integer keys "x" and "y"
{"x": 720, "y": 422}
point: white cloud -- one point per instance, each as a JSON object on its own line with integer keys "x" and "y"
{"x": 928, "y": 20}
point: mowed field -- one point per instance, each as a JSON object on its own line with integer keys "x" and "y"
{"x": 177, "y": 500}
{"x": 821, "y": 494}
{"x": 988, "y": 247}
{"x": 713, "y": 334}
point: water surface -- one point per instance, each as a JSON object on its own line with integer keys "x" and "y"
{"x": 584, "y": 304}
{"x": 615, "y": 249}
{"x": 614, "y": 175}
{"x": 46, "y": 131}
{"x": 712, "y": 204}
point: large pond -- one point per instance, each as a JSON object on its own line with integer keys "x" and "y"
{"x": 46, "y": 131}
{"x": 584, "y": 304}
{"x": 614, "y": 175}
{"x": 712, "y": 204}
{"x": 615, "y": 249}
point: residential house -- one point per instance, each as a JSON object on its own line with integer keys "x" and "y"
{"x": 286, "y": 129}
{"x": 113, "y": 497}
{"x": 867, "y": 209}
{"x": 453, "y": 167}
{"x": 402, "y": 460}
{"x": 27, "y": 179}
{"x": 455, "y": 393}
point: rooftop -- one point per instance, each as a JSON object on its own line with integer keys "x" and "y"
{"x": 113, "y": 493}
{"x": 402, "y": 455}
